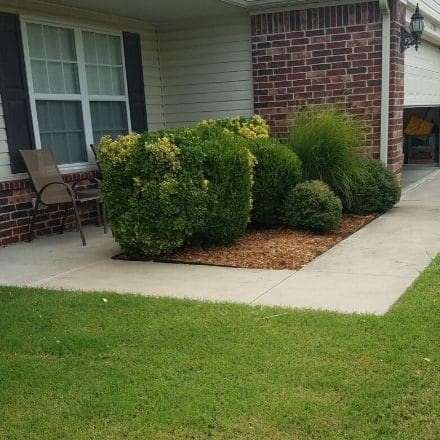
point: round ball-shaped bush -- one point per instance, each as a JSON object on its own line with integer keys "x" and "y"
{"x": 154, "y": 189}
{"x": 277, "y": 170}
{"x": 377, "y": 190}
{"x": 312, "y": 205}
{"x": 228, "y": 170}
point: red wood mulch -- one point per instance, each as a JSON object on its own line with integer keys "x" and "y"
{"x": 279, "y": 248}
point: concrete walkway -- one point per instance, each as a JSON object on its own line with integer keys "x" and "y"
{"x": 365, "y": 273}
{"x": 413, "y": 173}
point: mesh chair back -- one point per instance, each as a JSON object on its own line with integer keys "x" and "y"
{"x": 43, "y": 169}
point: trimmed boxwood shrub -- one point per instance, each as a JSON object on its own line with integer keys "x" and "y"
{"x": 312, "y": 205}
{"x": 277, "y": 170}
{"x": 228, "y": 170}
{"x": 154, "y": 189}
{"x": 377, "y": 190}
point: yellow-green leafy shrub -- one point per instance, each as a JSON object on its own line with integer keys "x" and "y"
{"x": 249, "y": 128}
{"x": 154, "y": 189}
{"x": 169, "y": 188}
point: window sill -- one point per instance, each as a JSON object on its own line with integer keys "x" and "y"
{"x": 77, "y": 167}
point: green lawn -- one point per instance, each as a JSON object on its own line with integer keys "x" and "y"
{"x": 77, "y": 366}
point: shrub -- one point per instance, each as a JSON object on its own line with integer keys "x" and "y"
{"x": 277, "y": 170}
{"x": 376, "y": 191}
{"x": 154, "y": 189}
{"x": 312, "y": 205}
{"x": 249, "y": 128}
{"x": 329, "y": 143}
{"x": 228, "y": 168}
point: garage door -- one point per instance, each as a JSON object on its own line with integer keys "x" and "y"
{"x": 422, "y": 76}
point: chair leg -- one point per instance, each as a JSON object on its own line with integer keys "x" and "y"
{"x": 98, "y": 213}
{"x": 63, "y": 221}
{"x": 34, "y": 218}
{"x": 104, "y": 217}
{"x": 78, "y": 222}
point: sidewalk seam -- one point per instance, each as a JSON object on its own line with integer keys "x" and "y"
{"x": 61, "y": 274}
{"x": 273, "y": 287}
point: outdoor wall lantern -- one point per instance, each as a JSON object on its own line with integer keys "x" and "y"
{"x": 414, "y": 36}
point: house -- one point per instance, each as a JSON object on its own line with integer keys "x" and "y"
{"x": 72, "y": 70}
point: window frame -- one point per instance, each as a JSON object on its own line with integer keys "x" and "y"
{"x": 83, "y": 96}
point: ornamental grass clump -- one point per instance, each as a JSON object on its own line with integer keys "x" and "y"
{"x": 154, "y": 189}
{"x": 277, "y": 170}
{"x": 313, "y": 206}
{"x": 330, "y": 143}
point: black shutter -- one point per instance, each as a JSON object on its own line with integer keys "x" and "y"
{"x": 135, "y": 81}
{"x": 14, "y": 91}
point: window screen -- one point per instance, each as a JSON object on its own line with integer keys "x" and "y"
{"x": 62, "y": 130}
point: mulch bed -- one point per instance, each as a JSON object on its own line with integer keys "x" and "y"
{"x": 278, "y": 248}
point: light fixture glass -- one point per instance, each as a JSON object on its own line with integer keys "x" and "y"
{"x": 416, "y": 28}
{"x": 417, "y": 22}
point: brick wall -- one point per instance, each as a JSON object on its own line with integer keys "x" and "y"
{"x": 326, "y": 55}
{"x": 16, "y": 211}
{"x": 397, "y": 92}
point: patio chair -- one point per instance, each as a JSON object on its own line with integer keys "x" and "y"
{"x": 94, "y": 148}
{"x": 52, "y": 190}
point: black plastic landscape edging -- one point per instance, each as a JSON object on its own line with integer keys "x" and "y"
{"x": 126, "y": 256}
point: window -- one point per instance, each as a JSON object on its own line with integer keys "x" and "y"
{"x": 77, "y": 88}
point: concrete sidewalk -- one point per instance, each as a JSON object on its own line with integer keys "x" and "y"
{"x": 365, "y": 273}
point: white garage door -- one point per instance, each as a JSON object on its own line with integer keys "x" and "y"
{"x": 422, "y": 76}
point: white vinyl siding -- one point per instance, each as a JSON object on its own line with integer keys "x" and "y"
{"x": 206, "y": 70}
{"x": 152, "y": 79}
{"x": 422, "y": 76}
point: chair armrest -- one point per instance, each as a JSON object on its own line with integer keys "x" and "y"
{"x": 88, "y": 179}
{"x": 69, "y": 188}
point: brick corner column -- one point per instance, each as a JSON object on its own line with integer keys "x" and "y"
{"x": 397, "y": 92}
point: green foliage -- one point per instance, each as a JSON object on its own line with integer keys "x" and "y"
{"x": 254, "y": 127}
{"x": 277, "y": 170}
{"x": 169, "y": 188}
{"x": 228, "y": 169}
{"x": 154, "y": 189}
{"x": 329, "y": 143}
{"x": 377, "y": 190}
{"x": 312, "y": 205}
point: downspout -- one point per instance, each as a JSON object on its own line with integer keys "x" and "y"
{"x": 385, "y": 98}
